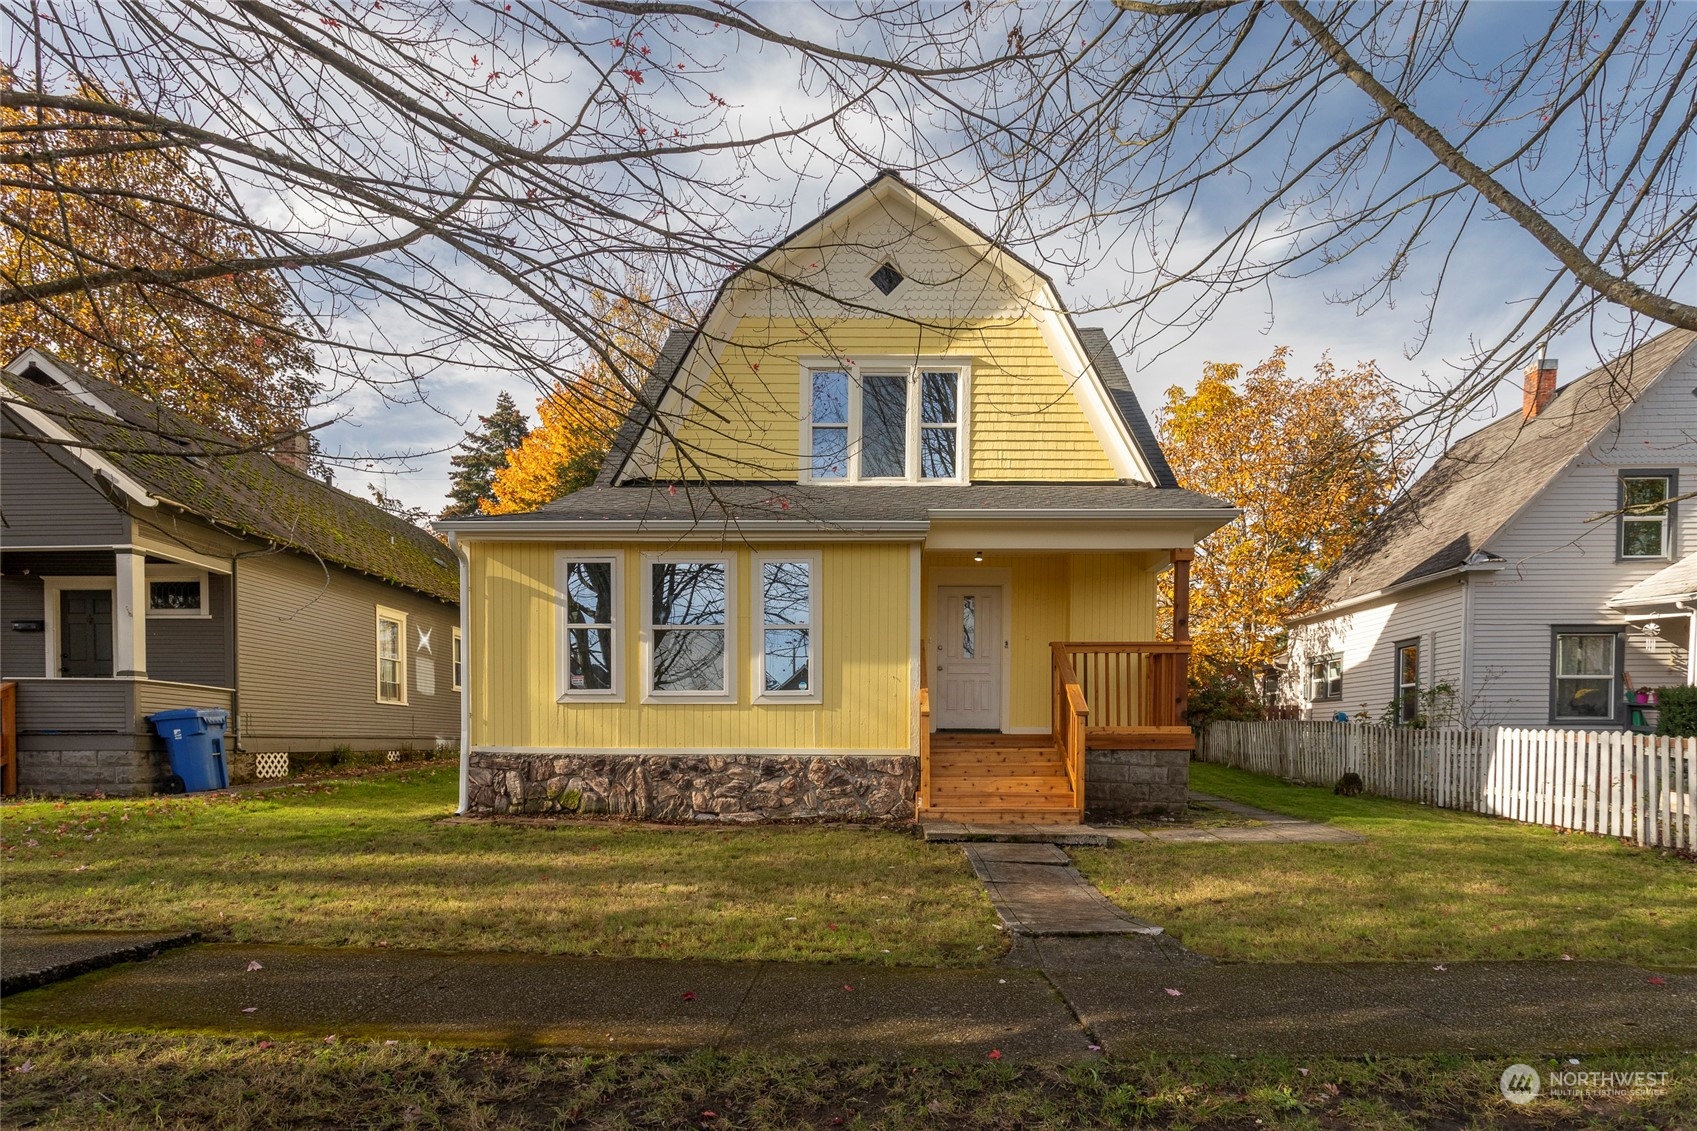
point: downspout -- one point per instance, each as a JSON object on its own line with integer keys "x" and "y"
{"x": 1690, "y": 642}
{"x": 465, "y": 673}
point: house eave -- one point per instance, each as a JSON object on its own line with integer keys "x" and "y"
{"x": 1401, "y": 587}
{"x": 671, "y": 530}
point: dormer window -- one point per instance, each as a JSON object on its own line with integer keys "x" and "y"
{"x": 879, "y": 423}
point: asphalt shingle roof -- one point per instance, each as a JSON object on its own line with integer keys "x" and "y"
{"x": 1454, "y": 510}
{"x": 249, "y": 491}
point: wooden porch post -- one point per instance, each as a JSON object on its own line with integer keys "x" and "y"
{"x": 1181, "y": 629}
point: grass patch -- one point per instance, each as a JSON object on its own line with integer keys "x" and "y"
{"x": 365, "y": 862}
{"x": 1427, "y": 884}
{"x": 119, "y": 1080}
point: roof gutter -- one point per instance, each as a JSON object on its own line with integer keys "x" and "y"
{"x": 523, "y": 529}
{"x": 1083, "y": 514}
{"x": 1400, "y": 587}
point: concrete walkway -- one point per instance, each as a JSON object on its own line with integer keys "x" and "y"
{"x": 1275, "y": 828}
{"x": 1080, "y": 993}
{"x": 36, "y": 958}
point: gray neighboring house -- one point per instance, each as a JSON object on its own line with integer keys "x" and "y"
{"x": 134, "y": 579}
{"x": 1543, "y": 568}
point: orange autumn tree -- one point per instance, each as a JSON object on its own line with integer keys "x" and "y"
{"x": 1311, "y": 460}
{"x": 580, "y": 415}
{"x": 83, "y": 194}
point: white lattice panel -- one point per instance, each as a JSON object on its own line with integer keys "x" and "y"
{"x": 271, "y": 765}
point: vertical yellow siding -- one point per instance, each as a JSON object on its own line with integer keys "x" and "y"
{"x": 861, "y": 659}
{"x": 1026, "y": 423}
{"x": 1113, "y": 598}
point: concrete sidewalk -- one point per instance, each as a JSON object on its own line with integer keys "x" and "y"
{"x": 1125, "y": 994}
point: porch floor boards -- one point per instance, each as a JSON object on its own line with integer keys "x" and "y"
{"x": 999, "y": 779}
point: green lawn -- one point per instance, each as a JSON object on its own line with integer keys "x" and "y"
{"x": 368, "y": 862}
{"x": 1428, "y": 884}
{"x": 123, "y": 1080}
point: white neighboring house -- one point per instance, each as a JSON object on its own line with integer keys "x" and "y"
{"x": 1494, "y": 580}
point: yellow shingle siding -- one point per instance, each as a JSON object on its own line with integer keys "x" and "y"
{"x": 862, "y": 659}
{"x": 1026, "y": 422}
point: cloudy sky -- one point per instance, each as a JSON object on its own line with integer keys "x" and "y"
{"x": 1489, "y": 279}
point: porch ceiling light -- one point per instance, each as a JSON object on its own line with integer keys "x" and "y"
{"x": 978, "y": 555}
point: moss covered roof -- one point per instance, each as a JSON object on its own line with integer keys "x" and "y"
{"x": 213, "y": 476}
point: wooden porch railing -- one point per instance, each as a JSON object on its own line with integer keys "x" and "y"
{"x": 924, "y": 747}
{"x": 8, "y": 738}
{"x": 1132, "y": 685}
{"x": 1069, "y": 721}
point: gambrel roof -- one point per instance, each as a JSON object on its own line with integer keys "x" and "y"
{"x": 130, "y": 443}
{"x": 1448, "y": 517}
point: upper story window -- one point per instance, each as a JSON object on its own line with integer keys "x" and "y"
{"x": 1647, "y": 513}
{"x": 875, "y": 423}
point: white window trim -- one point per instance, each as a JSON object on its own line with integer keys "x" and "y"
{"x": 456, "y": 661}
{"x": 51, "y": 587}
{"x": 154, "y": 573}
{"x": 757, "y": 629}
{"x": 564, "y": 691}
{"x": 401, "y": 638}
{"x": 886, "y": 366}
{"x": 729, "y": 694}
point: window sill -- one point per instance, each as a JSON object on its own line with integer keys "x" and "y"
{"x": 660, "y": 698}
{"x": 798, "y": 699}
{"x": 588, "y": 697}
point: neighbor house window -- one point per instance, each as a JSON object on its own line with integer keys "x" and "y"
{"x": 458, "y": 660}
{"x": 1646, "y": 513}
{"x": 1407, "y": 680}
{"x": 391, "y": 656}
{"x": 885, "y": 423}
{"x": 589, "y": 639}
{"x": 789, "y": 637}
{"x": 1325, "y": 678}
{"x": 175, "y": 591}
{"x": 689, "y": 647}
{"x": 1586, "y": 675}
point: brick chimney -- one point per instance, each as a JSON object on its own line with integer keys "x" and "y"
{"x": 293, "y": 452}
{"x": 1538, "y": 386}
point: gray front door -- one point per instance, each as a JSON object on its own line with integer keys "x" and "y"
{"x": 85, "y": 633}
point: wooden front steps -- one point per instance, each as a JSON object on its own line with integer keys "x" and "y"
{"x": 999, "y": 779}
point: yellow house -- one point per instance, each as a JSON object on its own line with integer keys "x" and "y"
{"x": 887, "y": 544}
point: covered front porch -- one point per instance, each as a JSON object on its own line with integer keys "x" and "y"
{"x": 1043, "y": 690}
{"x": 98, "y": 639}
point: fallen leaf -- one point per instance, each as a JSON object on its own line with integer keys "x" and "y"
{"x": 250, "y": 1009}
{"x": 1174, "y": 993}
{"x": 1304, "y": 1071}
{"x": 847, "y": 989}
{"x": 391, "y": 1042}
{"x": 1094, "y": 1048}
{"x": 1439, "y": 966}
{"x": 710, "y": 1115}
{"x": 265, "y": 1045}
{"x": 254, "y": 965}
{"x": 1658, "y": 981}
{"x": 26, "y": 1066}
{"x": 689, "y": 995}
{"x": 995, "y": 1054}
{"x": 1567, "y": 958}
{"x": 832, "y": 926}
{"x": 331, "y": 1039}
{"x": 789, "y": 918}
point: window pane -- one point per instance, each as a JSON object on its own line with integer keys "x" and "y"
{"x": 589, "y": 659}
{"x": 1585, "y": 655}
{"x": 830, "y": 453}
{"x": 689, "y": 660}
{"x": 1583, "y": 698}
{"x": 937, "y": 453}
{"x": 883, "y": 426}
{"x": 784, "y": 592}
{"x": 786, "y": 659}
{"x": 1641, "y": 538}
{"x": 1408, "y": 667}
{"x": 689, "y": 593}
{"x": 968, "y": 627}
{"x": 830, "y": 397}
{"x": 939, "y": 395}
{"x": 589, "y": 592}
{"x": 389, "y": 679}
{"x": 389, "y": 638}
{"x": 173, "y": 594}
{"x": 1644, "y": 496}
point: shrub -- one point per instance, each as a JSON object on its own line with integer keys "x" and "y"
{"x": 1678, "y": 711}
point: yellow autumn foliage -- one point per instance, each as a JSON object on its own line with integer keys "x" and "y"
{"x": 1311, "y": 460}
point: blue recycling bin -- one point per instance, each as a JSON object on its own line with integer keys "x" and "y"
{"x": 195, "y": 740}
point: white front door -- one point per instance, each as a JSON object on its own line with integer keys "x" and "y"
{"x": 967, "y": 683}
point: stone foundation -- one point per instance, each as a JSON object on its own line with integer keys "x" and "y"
{"x": 705, "y": 787}
{"x": 1135, "y": 783}
{"x": 115, "y": 773}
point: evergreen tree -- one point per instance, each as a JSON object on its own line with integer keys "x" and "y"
{"x": 482, "y": 454}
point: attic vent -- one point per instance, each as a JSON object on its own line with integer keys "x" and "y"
{"x": 886, "y": 278}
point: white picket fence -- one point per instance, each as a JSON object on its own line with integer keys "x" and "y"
{"x": 1616, "y": 783}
